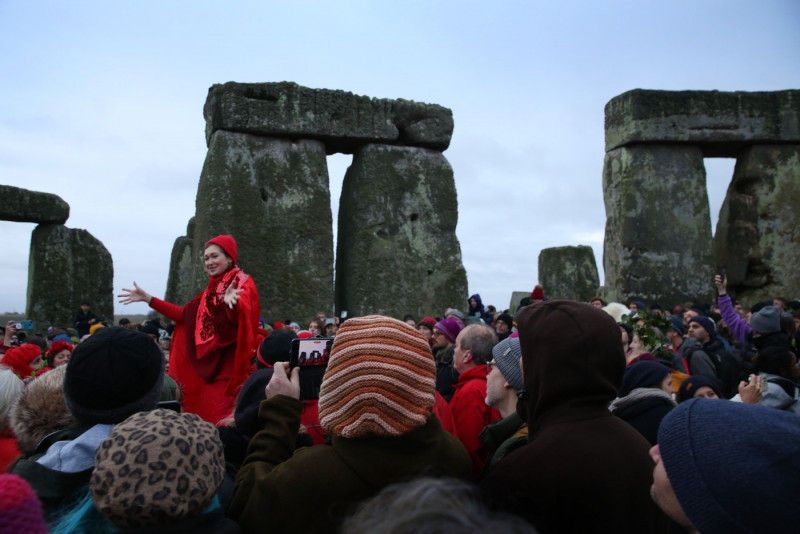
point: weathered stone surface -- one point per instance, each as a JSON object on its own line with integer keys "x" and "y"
{"x": 179, "y": 289}
{"x": 517, "y": 296}
{"x": 721, "y": 123}
{"x": 22, "y": 205}
{"x": 759, "y": 224}
{"x": 273, "y": 196}
{"x": 658, "y": 228}
{"x": 397, "y": 249}
{"x": 569, "y": 273}
{"x": 67, "y": 266}
{"x": 342, "y": 120}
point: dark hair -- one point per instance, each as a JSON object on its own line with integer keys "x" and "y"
{"x": 627, "y": 329}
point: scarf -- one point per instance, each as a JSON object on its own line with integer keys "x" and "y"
{"x": 205, "y": 327}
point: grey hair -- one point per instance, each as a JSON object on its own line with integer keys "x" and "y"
{"x": 10, "y": 389}
{"x": 431, "y": 506}
{"x": 480, "y": 340}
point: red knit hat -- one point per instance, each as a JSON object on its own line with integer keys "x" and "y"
{"x": 538, "y": 293}
{"x": 380, "y": 379}
{"x": 430, "y": 322}
{"x": 18, "y": 359}
{"x": 227, "y": 243}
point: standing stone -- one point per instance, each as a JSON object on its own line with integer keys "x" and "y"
{"x": 67, "y": 266}
{"x": 272, "y": 195}
{"x": 658, "y": 229}
{"x": 179, "y": 289}
{"x": 517, "y": 296}
{"x": 569, "y": 273}
{"x": 397, "y": 249}
{"x": 759, "y": 224}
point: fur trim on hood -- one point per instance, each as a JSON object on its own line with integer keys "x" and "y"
{"x": 41, "y": 410}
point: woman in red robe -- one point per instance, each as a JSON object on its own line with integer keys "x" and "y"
{"x": 216, "y": 333}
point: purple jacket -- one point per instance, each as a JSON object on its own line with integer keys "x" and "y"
{"x": 737, "y": 325}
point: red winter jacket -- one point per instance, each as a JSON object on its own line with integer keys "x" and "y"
{"x": 471, "y": 414}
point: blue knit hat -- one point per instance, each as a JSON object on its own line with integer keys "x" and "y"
{"x": 677, "y": 324}
{"x": 706, "y": 323}
{"x": 643, "y": 374}
{"x": 734, "y": 467}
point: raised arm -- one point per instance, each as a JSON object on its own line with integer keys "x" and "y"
{"x": 137, "y": 294}
{"x": 736, "y": 324}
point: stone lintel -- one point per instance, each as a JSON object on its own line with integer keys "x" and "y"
{"x": 720, "y": 123}
{"x": 22, "y": 205}
{"x": 340, "y": 119}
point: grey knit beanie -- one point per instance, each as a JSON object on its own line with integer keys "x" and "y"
{"x": 507, "y": 354}
{"x": 767, "y": 320}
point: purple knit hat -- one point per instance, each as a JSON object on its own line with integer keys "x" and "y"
{"x": 449, "y": 327}
{"x": 20, "y": 510}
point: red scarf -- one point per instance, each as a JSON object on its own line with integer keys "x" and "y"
{"x": 205, "y": 333}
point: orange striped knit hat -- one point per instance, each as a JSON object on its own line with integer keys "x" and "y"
{"x": 380, "y": 379}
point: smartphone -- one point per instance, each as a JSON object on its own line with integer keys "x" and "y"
{"x": 723, "y": 272}
{"x": 24, "y": 325}
{"x": 310, "y": 352}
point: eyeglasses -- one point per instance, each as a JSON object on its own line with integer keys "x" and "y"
{"x": 489, "y": 366}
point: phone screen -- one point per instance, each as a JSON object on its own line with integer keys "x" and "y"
{"x": 311, "y": 352}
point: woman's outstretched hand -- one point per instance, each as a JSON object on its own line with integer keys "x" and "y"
{"x": 129, "y": 296}
{"x": 232, "y": 295}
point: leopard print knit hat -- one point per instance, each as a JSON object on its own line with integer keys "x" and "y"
{"x": 380, "y": 379}
{"x": 157, "y": 468}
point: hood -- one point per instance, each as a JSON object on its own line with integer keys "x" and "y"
{"x": 573, "y": 362}
{"x": 476, "y": 308}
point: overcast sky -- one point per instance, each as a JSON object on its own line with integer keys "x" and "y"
{"x": 102, "y": 104}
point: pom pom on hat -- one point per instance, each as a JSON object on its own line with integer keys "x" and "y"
{"x": 537, "y": 293}
{"x": 380, "y": 379}
{"x": 227, "y": 243}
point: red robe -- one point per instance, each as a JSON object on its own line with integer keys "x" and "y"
{"x": 211, "y": 374}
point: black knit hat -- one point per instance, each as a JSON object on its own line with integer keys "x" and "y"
{"x": 506, "y": 318}
{"x": 276, "y": 347}
{"x": 112, "y": 375}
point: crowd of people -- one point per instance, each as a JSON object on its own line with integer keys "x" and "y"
{"x": 557, "y": 416}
